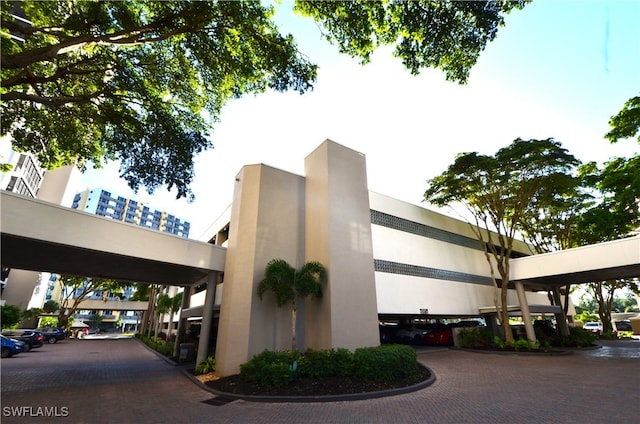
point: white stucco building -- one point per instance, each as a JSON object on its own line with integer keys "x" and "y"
{"x": 385, "y": 258}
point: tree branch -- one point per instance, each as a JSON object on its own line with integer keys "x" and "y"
{"x": 124, "y": 37}
{"x": 51, "y": 101}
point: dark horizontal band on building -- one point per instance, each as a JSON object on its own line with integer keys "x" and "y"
{"x": 426, "y": 272}
{"x": 401, "y": 224}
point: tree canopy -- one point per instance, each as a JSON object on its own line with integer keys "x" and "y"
{"x": 142, "y": 82}
{"x": 77, "y": 289}
{"x": 10, "y": 315}
{"x": 505, "y": 193}
{"x": 615, "y": 215}
{"x": 626, "y": 123}
{"x": 426, "y": 34}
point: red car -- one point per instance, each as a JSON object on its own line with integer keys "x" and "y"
{"x": 439, "y": 335}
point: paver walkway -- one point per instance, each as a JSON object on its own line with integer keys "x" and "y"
{"x": 120, "y": 381}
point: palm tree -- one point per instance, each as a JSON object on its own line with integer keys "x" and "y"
{"x": 176, "y": 304}
{"x": 163, "y": 306}
{"x": 143, "y": 293}
{"x": 290, "y": 284}
{"x": 50, "y": 306}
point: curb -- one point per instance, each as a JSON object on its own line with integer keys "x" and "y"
{"x": 513, "y": 352}
{"x": 322, "y": 398}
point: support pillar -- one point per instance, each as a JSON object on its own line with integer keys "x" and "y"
{"x": 182, "y": 323}
{"x": 207, "y": 318}
{"x": 561, "y": 318}
{"x": 267, "y": 222}
{"x": 338, "y": 235}
{"x": 526, "y": 314}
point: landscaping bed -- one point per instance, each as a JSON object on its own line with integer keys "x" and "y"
{"x": 316, "y": 386}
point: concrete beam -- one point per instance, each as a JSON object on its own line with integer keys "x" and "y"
{"x": 42, "y": 236}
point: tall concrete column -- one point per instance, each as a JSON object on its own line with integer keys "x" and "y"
{"x": 338, "y": 235}
{"x": 526, "y": 314}
{"x": 267, "y": 222}
{"x": 207, "y": 317}
{"x": 182, "y": 323}
{"x": 561, "y": 318}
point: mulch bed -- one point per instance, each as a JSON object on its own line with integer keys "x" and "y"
{"x": 316, "y": 387}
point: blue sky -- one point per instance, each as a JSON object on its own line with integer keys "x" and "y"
{"x": 557, "y": 69}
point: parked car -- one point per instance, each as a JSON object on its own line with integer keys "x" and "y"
{"x": 412, "y": 335}
{"x": 545, "y": 327}
{"x": 11, "y": 347}
{"x": 387, "y": 332}
{"x": 52, "y": 335}
{"x": 467, "y": 323}
{"x": 31, "y": 338}
{"x": 624, "y": 325}
{"x": 440, "y": 335}
{"x": 594, "y": 327}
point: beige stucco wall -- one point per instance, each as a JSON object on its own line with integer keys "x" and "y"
{"x": 338, "y": 235}
{"x": 20, "y": 287}
{"x": 267, "y": 219}
{"x": 59, "y": 185}
{"x": 404, "y": 294}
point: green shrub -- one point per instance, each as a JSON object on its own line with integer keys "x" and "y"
{"x": 326, "y": 363}
{"x": 11, "y": 316}
{"x": 277, "y": 369}
{"x": 206, "y": 366}
{"x": 578, "y": 337}
{"x": 276, "y": 375}
{"x": 609, "y": 335}
{"x": 476, "y": 338}
{"x": 159, "y": 345}
{"x": 520, "y": 344}
{"x": 386, "y": 362}
{"x": 625, "y": 335}
{"x": 342, "y": 362}
{"x": 498, "y": 342}
{"x": 269, "y": 368}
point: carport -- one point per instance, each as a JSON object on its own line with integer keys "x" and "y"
{"x": 45, "y": 237}
{"x": 548, "y": 272}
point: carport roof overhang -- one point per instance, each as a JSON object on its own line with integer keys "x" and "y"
{"x": 42, "y": 236}
{"x": 37, "y": 255}
{"x": 548, "y": 282}
{"x": 614, "y": 260}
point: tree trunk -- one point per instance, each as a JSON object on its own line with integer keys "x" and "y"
{"x": 159, "y": 323}
{"x": 171, "y": 313}
{"x": 504, "y": 312}
{"x": 152, "y": 310}
{"x": 293, "y": 329}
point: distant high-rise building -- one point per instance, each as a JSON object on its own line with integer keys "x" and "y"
{"x": 103, "y": 203}
{"x": 25, "y": 176}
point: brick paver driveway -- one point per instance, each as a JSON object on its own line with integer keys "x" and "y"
{"x": 120, "y": 381}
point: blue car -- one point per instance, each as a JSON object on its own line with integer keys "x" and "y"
{"x": 11, "y": 347}
{"x": 52, "y": 335}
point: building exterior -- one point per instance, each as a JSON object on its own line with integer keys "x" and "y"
{"x": 392, "y": 259}
{"x": 103, "y": 203}
{"x": 25, "y": 176}
{"x": 27, "y": 289}
{"x": 386, "y": 260}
